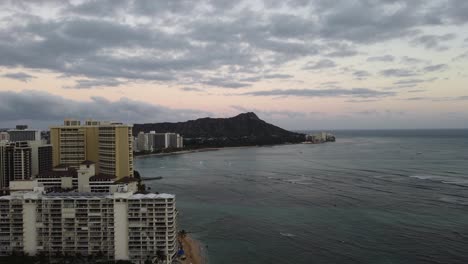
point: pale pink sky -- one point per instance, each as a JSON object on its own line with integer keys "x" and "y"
{"x": 298, "y": 64}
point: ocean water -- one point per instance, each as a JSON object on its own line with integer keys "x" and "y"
{"x": 371, "y": 197}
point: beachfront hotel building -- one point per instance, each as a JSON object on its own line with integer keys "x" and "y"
{"x": 117, "y": 226}
{"x": 22, "y": 133}
{"x": 109, "y": 145}
{"x": 15, "y": 162}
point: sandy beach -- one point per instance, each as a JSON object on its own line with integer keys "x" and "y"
{"x": 193, "y": 251}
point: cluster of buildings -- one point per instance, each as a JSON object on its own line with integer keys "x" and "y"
{"x": 78, "y": 196}
{"x": 318, "y": 138}
{"x": 156, "y": 141}
{"x": 23, "y": 155}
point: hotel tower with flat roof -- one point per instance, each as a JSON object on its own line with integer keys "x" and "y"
{"x": 107, "y": 144}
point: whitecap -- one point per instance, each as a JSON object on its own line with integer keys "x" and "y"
{"x": 423, "y": 177}
{"x": 287, "y": 234}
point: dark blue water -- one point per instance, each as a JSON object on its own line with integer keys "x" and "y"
{"x": 371, "y": 197}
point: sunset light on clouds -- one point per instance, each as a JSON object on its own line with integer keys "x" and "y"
{"x": 299, "y": 64}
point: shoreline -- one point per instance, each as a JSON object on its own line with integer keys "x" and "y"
{"x": 193, "y": 249}
{"x": 206, "y": 150}
{"x": 177, "y": 152}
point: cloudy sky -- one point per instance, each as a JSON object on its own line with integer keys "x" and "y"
{"x": 318, "y": 64}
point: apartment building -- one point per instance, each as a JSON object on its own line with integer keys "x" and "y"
{"x": 17, "y": 161}
{"x": 153, "y": 141}
{"x": 41, "y": 154}
{"x": 22, "y": 133}
{"x": 4, "y": 136}
{"x": 115, "y": 150}
{"x": 109, "y": 145}
{"x": 143, "y": 141}
{"x": 118, "y": 226}
{"x": 180, "y": 141}
{"x": 171, "y": 140}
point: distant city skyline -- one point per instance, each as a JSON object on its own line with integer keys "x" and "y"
{"x": 369, "y": 64}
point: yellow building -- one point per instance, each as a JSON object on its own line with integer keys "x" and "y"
{"x": 109, "y": 145}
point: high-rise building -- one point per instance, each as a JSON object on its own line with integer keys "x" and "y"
{"x": 151, "y": 140}
{"x": 118, "y": 226}
{"x": 4, "y": 136}
{"x": 115, "y": 150}
{"x": 41, "y": 157}
{"x": 109, "y": 145}
{"x": 180, "y": 141}
{"x": 23, "y": 160}
{"x": 171, "y": 140}
{"x": 22, "y": 133}
{"x": 44, "y": 159}
{"x": 159, "y": 141}
{"x": 142, "y": 141}
{"x": 19, "y": 161}
{"x": 4, "y": 179}
{"x": 15, "y": 163}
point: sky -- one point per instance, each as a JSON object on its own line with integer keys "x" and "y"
{"x": 318, "y": 64}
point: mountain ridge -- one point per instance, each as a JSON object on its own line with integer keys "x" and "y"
{"x": 243, "y": 129}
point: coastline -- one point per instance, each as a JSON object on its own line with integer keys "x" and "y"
{"x": 194, "y": 251}
{"x": 205, "y": 150}
{"x": 177, "y": 152}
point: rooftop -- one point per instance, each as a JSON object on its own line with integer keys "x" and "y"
{"x": 102, "y": 177}
{"x": 64, "y": 172}
{"x": 84, "y": 196}
{"x": 87, "y": 162}
{"x": 126, "y": 180}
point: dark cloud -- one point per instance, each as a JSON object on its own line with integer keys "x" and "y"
{"x": 333, "y": 92}
{"x": 410, "y": 60}
{"x": 192, "y": 89}
{"x": 362, "y": 101}
{"x": 361, "y": 74}
{"x": 167, "y": 41}
{"x": 270, "y": 113}
{"x": 32, "y": 109}
{"x": 20, "y": 76}
{"x": 438, "y": 99}
{"x": 384, "y": 58}
{"x": 278, "y": 76}
{"x": 87, "y": 84}
{"x": 409, "y": 81}
{"x": 416, "y": 91}
{"x": 460, "y": 57}
{"x": 398, "y": 73}
{"x": 224, "y": 82}
{"x": 435, "y": 68}
{"x": 435, "y": 42}
{"x": 322, "y": 64}
{"x": 341, "y": 50}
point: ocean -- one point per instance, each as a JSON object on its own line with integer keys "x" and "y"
{"x": 384, "y": 196}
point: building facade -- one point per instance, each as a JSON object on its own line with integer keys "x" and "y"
{"x": 22, "y": 133}
{"x": 109, "y": 145}
{"x": 44, "y": 158}
{"x": 142, "y": 141}
{"x": 118, "y": 226}
{"x": 41, "y": 157}
{"x": 115, "y": 150}
{"x": 171, "y": 140}
{"x": 15, "y": 163}
{"x": 159, "y": 141}
{"x": 4, "y": 136}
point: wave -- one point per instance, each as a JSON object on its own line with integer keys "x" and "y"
{"x": 287, "y": 234}
{"x": 445, "y": 180}
{"x": 424, "y": 177}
